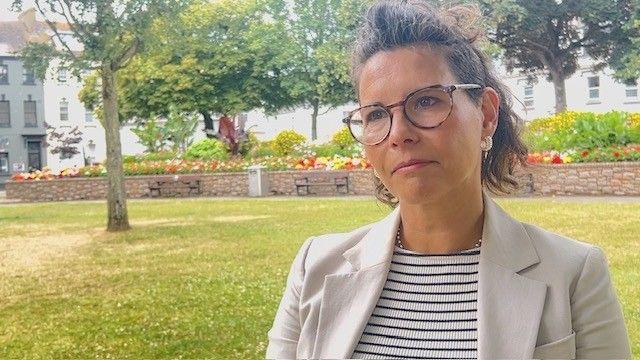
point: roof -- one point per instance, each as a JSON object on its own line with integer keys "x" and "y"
{"x": 14, "y": 35}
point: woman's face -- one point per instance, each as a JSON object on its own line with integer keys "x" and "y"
{"x": 454, "y": 146}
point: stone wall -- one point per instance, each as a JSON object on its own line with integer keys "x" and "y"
{"x": 621, "y": 178}
{"x": 218, "y": 184}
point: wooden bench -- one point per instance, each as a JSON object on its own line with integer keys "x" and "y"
{"x": 338, "y": 179}
{"x": 182, "y": 185}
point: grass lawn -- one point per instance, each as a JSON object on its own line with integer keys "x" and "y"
{"x": 202, "y": 278}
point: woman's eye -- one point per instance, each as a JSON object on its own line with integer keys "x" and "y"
{"x": 375, "y": 115}
{"x": 425, "y": 102}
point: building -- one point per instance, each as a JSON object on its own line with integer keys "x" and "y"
{"x": 586, "y": 90}
{"x": 22, "y": 130}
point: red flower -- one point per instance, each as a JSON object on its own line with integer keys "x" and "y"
{"x": 616, "y": 154}
{"x": 556, "y": 159}
{"x": 584, "y": 153}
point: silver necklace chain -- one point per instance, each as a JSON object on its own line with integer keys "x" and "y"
{"x": 399, "y": 242}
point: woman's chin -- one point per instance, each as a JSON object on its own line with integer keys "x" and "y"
{"x": 416, "y": 191}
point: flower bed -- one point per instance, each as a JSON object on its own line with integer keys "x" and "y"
{"x": 609, "y": 154}
{"x": 179, "y": 166}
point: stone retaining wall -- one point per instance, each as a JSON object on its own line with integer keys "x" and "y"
{"x": 621, "y": 178}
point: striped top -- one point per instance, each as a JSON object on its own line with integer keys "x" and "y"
{"x": 427, "y": 308}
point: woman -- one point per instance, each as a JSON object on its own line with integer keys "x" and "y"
{"x": 447, "y": 274}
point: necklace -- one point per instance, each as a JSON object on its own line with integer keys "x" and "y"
{"x": 399, "y": 243}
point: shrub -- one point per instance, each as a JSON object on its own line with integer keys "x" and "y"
{"x": 581, "y": 130}
{"x": 285, "y": 142}
{"x": 343, "y": 139}
{"x": 248, "y": 147}
{"x": 207, "y": 149}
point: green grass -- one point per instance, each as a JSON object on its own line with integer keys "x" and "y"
{"x": 202, "y": 278}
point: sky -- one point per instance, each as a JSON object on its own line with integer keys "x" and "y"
{"x": 6, "y": 14}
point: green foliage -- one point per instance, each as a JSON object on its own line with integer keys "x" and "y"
{"x": 549, "y": 35}
{"x": 150, "y": 135}
{"x": 343, "y": 138}
{"x": 264, "y": 148}
{"x": 154, "y": 156}
{"x": 207, "y": 149}
{"x": 574, "y": 130}
{"x": 285, "y": 142}
{"x": 248, "y": 147}
{"x": 179, "y": 129}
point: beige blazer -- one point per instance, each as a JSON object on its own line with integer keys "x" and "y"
{"x": 540, "y": 294}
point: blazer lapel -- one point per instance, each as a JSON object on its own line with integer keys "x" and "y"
{"x": 509, "y": 305}
{"x": 349, "y": 299}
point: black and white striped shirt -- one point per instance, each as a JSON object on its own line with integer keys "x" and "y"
{"x": 427, "y": 309}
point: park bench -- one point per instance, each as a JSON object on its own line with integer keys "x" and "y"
{"x": 179, "y": 185}
{"x": 338, "y": 179}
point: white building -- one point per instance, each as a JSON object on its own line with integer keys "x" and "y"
{"x": 586, "y": 90}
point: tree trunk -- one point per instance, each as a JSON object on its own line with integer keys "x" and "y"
{"x": 208, "y": 124}
{"x": 558, "y": 84}
{"x": 314, "y": 121}
{"x": 116, "y": 195}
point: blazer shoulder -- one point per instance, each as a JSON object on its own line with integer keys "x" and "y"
{"x": 560, "y": 254}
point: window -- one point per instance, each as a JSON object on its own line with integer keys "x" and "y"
{"x": 4, "y": 163}
{"x": 64, "y": 110}
{"x": 5, "y": 113}
{"x": 62, "y": 75}
{"x": 528, "y": 96}
{"x": 88, "y": 115}
{"x": 631, "y": 89}
{"x": 594, "y": 87}
{"x": 4, "y": 74}
{"x": 30, "y": 117}
{"x": 28, "y": 77}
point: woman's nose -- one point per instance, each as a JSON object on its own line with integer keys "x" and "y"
{"x": 402, "y": 130}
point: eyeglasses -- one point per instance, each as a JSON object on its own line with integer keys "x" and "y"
{"x": 425, "y": 108}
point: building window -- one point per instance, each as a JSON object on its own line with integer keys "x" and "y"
{"x": 4, "y": 74}
{"x": 62, "y": 75}
{"x": 28, "y": 77}
{"x": 30, "y": 117}
{"x": 64, "y": 110}
{"x": 5, "y": 113}
{"x": 631, "y": 89}
{"x": 594, "y": 87}
{"x": 528, "y": 96}
{"x": 4, "y": 163}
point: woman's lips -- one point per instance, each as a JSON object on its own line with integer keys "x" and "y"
{"x": 412, "y": 167}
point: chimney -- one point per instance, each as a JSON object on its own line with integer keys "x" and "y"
{"x": 28, "y": 19}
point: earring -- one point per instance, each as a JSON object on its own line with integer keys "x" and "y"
{"x": 485, "y": 145}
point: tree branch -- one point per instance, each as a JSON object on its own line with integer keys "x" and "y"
{"x": 55, "y": 30}
{"x": 128, "y": 54}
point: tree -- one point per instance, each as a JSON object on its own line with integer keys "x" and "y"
{"x": 321, "y": 34}
{"x": 219, "y": 58}
{"x": 63, "y": 142}
{"x": 549, "y": 35}
{"x": 110, "y": 33}
{"x": 627, "y": 63}
{"x": 151, "y": 135}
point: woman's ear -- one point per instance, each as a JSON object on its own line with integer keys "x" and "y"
{"x": 490, "y": 106}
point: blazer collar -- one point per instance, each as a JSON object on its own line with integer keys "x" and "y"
{"x": 504, "y": 240}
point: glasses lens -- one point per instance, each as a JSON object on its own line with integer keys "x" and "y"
{"x": 428, "y": 107}
{"x": 370, "y": 124}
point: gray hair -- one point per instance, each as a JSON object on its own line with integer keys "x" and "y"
{"x": 455, "y": 32}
